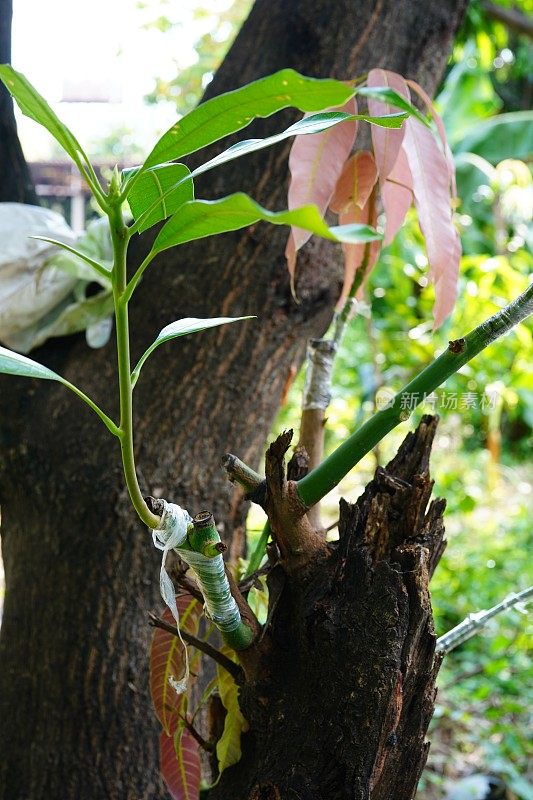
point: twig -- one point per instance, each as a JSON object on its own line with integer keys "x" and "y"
{"x": 189, "y": 586}
{"x": 230, "y": 666}
{"x": 474, "y": 622}
{"x": 249, "y": 580}
{"x": 511, "y": 18}
{"x": 245, "y": 476}
{"x": 207, "y": 746}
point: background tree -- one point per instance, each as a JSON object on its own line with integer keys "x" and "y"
{"x": 15, "y": 181}
{"x": 79, "y": 575}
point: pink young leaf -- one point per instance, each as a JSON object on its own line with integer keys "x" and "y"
{"x": 315, "y": 163}
{"x": 180, "y": 765}
{"x": 386, "y": 141}
{"x": 354, "y": 253}
{"x": 397, "y": 196}
{"x": 167, "y": 661}
{"x": 431, "y": 188}
{"x": 356, "y": 182}
{"x": 442, "y": 133}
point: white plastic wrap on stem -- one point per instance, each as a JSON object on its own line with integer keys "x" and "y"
{"x": 210, "y": 574}
{"x": 317, "y": 389}
{"x": 171, "y": 533}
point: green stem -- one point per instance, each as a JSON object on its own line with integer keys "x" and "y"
{"x": 320, "y": 481}
{"x": 257, "y": 556}
{"x": 119, "y": 236}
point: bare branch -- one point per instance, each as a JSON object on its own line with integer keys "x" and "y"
{"x": 511, "y": 18}
{"x": 475, "y": 622}
{"x": 230, "y": 666}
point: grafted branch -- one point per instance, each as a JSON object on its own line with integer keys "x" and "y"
{"x": 296, "y": 538}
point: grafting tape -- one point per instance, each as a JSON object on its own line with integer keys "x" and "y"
{"x": 210, "y": 573}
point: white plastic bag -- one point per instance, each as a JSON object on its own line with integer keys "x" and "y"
{"x": 43, "y": 289}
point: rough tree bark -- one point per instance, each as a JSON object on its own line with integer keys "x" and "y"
{"x": 80, "y": 572}
{"x": 15, "y": 181}
{"x": 341, "y": 703}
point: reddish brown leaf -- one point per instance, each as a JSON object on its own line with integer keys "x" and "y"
{"x": 431, "y": 186}
{"x": 315, "y": 163}
{"x": 167, "y": 661}
{"x": 180, "y": 765}
{"x": 386, "y": 141}
{"x": 354, "y": 253}
{"x": 397, "y": 196}
{"x": 442, "y": 133}
{"x": 356, "y": 182}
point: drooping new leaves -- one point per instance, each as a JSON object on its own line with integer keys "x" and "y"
{"x": 431, "y": 188}
{"x": 181, "y": 327}
{"x": 180, "y": 765}
{"x": 315, "y": 164}
{"x": 12, "y": 363}
{"x": 354, "y": 202}
{"x": 408, "y": 164}
{"x": 201, "y": 218}
{"x": 165, "y": 184}
{"x": 229, "y": 745}
{"x": 386, "y": 143}
{"x": 34, "y": 106}
{"x": 233, "y": 111}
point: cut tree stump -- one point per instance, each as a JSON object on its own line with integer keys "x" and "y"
{"x": 347, "y": 686}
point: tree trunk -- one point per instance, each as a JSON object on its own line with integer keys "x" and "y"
{"x": 81, "y": 574}
{"x": 15, "y": 181}
{"x": 345, "y": 691}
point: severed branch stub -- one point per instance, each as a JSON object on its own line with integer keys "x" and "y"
{"x": 239, "y": 472}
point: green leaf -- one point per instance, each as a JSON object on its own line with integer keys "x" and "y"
{"x": 315, "y": 123}
{"x": 181, "y": 327}
{"x": 101, "y": 269}
{"x": 233, "y": 111}
{"x": 12, "y": 363}
{"x": 35, "y": 107}
{"x": 157, "y": 183}
{"x": 229, "y": 744}
{"x": 504, "y": 136}
{"x": 201, "y": 218}
{"x": 388, "y": 95}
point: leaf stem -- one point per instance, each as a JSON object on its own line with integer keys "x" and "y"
{"x": 108, "y": 422}
{"x": 320, "y": 481}
{"x": 120, "y": 238}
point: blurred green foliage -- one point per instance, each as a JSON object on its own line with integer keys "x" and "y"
{"x": 220, "y": 22}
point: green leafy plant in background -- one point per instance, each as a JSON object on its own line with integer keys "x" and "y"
{"x": 162, "y": 191}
